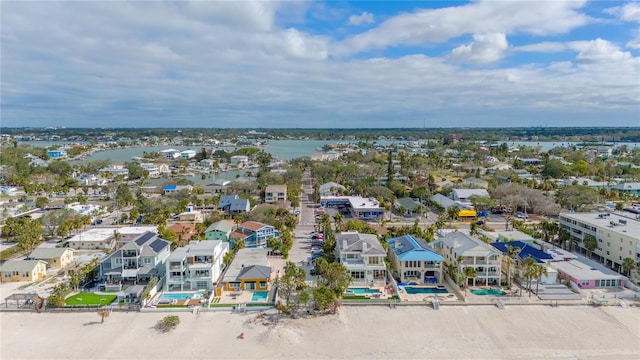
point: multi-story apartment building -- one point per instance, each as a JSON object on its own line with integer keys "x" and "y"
{"x": 196, "y": 266}
{"x": 618, "y": 236}
{"x": 464, "y": 250}
{"x": 363, "y": 256}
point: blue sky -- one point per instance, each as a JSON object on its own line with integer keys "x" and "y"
{"x": 320, "y": 64}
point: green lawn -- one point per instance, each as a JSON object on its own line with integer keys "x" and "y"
{"x": 89, "y": 299}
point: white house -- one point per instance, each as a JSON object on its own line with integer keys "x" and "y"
{"x": 151, "y": 169}
{"x": 171, "y": 153}
{"x": 239, "y": 161}
{"x": 464, "y": 250}
{"x": 464, "y": 195}
{"x": 196, "y": 266}
{"x": 138, "y": 259}
{"x": 363, "y": 256}
{"x": 188, "y": 154}
{"x": 275, "y": 193}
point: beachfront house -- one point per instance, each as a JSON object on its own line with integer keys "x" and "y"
{"x": 414, "y": 261}
{"x": 220, "y": 230}
{"x": 583, "y": 276}
{"x": 363, "y": 256}
{"x": 249, "y": 270}
{"x": 196, "y": 266}
{"x": 275, "y": 193}
{"x": 254, "y": 234}
{"x": 138, "y": 259}
{"x": 54, "y": 257}
{"x": 464, "y": 250}
{"x": 22, "y": 270}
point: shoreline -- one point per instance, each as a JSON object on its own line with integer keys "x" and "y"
{"x": 455, "y": 332}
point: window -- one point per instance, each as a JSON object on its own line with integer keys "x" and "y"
{"x": 263, "y": 284}
{"x": 25, "y": 274}
{"x": 7, "y": 274}
{"x": 234, "y": 285}
{"x": 585, "y": 282}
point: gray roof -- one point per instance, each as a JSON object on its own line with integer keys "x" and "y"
{"x": 47, "y": 253}
{"x": 255, "y": 272}
{"x": 222, "y": 226}
{"x": 408, "y": 203}
{"x": 19, "y": 265}
{"x": 443, "y": 201}
{"x": 462, "y": 242}
{"x": 325, "y": 188}
{"x": 226, "y": 200}
{"x": 246, "y": 258}
{"x": 195, "y": 248}
{"x": 467, "y": 193}
{"x": 355, "y": 243}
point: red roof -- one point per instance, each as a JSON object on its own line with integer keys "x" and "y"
{"x": 253, "y": 225}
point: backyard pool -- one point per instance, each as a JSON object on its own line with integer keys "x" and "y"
{"x": 259, "y": 296}
{"x": 176, "y": 296}
{"x": 425, "y": 290}
{"x": 488, "y": 292}
{"x": 360, "y": 291}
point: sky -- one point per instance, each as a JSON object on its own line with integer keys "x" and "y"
{"x": 333, "y": 64}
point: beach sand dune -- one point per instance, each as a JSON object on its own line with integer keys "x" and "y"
{"x": 480, "y": 332}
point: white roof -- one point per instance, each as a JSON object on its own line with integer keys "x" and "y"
{"x": 581, "y": 271}
{"x": 631, "y": 228}
{"x": 467, "y": 193}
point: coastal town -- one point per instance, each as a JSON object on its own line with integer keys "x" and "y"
{"x": 389, "y": 223}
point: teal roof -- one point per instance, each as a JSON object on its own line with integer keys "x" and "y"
{"x": 407, "y": 248}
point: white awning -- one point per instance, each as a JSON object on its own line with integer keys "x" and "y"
{"x": 129, "y": 273}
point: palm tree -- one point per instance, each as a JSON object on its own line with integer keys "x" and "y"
{"x": 528, "y": 264}
{"x": 590, "y": 243}
{"x": 452, "y": 213}
{"x": 539, "y": 271}
{"x": 338, "y": 218}
{"x": 627, "y": 265}
{"x": 103, "y": 313}
{"x": 469, "y": 273}
{"x": 512, "y": 251}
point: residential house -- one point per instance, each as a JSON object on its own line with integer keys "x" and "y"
{"x": 219, "y": 186}
{"x": 220, "y": 230}
{"x": 191, "y": 215}
{"x": 55, "y": 257}
{"x": 139, "y": 259}
{"x": 196, "y": 266}
{"x": 629, "y": 188}
{"x": 232, "y": 204}
{"x": 331, "y": 189}
{"x": 171, "y": 153}
{"x": 275, "y": 193}
{"x": 462, "y": 250}
{"x": 249, "y": 270}
{"x": 254, "y": 234}
{"x": 188, "y": 154}
{"x": 22, "y": 270}
{"x": 464, "y": 195}
{"x": 363, "y": 256}
{"x": 152, "y": 169}
{"x": 57, "y": 154}
{"x": 408, "y": 206}
{"x": 183, "y": 230}
{"x": 239, "y": 161}
{"x": 115, "y": 170}
{"x": 94, "y": 239}
{"x": 170, "y": 189}
{"x": 476, "y": 183}
{"x": 414, "y": 261}
{"x": 524, "y": 250}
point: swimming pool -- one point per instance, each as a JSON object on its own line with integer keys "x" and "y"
{"x": 363, "y": 290}
{"x": 259, "y": 296}
{"x": 176, "y": 296}
{"x": 489, "y": 292}
{"x": 425, "y": 290}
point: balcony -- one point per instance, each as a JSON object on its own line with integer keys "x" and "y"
{"x": 176, "y": 279}
{"x": 176, "y": 266}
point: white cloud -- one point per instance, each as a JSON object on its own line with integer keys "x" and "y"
{"x": 628, "y": 12}
{"x": 166, "y": 65}
{"x": 440, "y": 25}
{"x": 363, "y": 19}
{"x": 599, "y": 50}
{"x": 485, "y": 48}
{"x": 633, "y": 44}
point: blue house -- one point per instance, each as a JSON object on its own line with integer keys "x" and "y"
{"x": 254, "y": 234}
{"x": 414, "y": 261}
{"x": 57, "y": 154}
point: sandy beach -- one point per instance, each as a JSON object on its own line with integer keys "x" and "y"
{"x": 479, "y": 332}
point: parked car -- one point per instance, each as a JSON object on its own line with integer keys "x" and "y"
{"x": 315, "y": 256}
{"x": 313, "y": 271}
{"x": 521, "y": 215}
{"x": 317, "y": 236}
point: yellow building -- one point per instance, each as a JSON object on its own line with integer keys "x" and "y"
{"x": 467, "y": 214}
{"x": 23, "y": 270}
{"x": 249, "y": 270}
{"x": 55, "y": 257}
